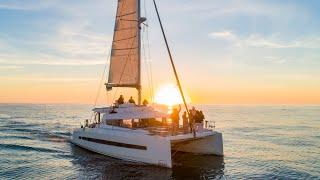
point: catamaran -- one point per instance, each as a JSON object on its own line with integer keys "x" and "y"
{"x": 140, "y": 133}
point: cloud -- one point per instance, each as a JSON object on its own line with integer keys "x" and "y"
{"x": 50, "y": 79}
{"x": 72, "y": 45}
{"x": 276, "y": 60}
{"x": 9, "y": 67}
{"x": 72, "y": 41}
{"x": 256, "y": 40}
{"x": 26, "y": 5}
{"x": 227, "y": 35}
{"x": 76, "y": 40}
{"x": 216, "y": 9}
{"x": 45, "y": 59}
{"x": 273, "y": 41}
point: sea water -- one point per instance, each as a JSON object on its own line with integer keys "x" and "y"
{"x": 260, "y": 142}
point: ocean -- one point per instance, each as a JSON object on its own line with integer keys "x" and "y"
{"x": 260, "y": 142}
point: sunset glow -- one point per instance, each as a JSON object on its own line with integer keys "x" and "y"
{"x": 252, "y": 54}
{"x": 169, "y": 95}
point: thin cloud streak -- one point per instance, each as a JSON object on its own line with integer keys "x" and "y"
{"x": 227, "y": 35}
{"x": 26, "y": 6}
{"x": 50, "y": 79}
{"x": 48, "y": 60}
{"x": 257, "y": 40}
{"x": 277, "y": 60}
{"x": 10, "y": 67}
{"x": 217, "y": 9}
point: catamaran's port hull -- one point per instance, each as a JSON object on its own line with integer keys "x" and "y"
{"x": 145, "y": 148}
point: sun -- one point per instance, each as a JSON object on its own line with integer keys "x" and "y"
{"x": 169, "y": 95}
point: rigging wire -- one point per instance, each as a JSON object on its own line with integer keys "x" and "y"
{"x": 146, "y": 62}
{"x": 101, "y": 82}
{"x": 150, "y": 66}
{"x": 143, "y": 48}
{"x": 149, "y": 56}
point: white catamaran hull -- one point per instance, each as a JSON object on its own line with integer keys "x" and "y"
{"x": 127, "y": 146}
{"x": 141, "y": 147}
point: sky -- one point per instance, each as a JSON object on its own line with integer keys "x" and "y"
{"x": 226, "y": 52}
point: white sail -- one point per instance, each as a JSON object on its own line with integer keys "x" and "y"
{"x": 125, "y": 62}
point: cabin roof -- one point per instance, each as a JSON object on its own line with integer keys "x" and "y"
{"x": 130, "y": 112}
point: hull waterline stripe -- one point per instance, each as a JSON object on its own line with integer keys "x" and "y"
{"x": 112, "y": 143}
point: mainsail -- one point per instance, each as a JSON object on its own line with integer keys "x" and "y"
{"x": 125, "y": 54}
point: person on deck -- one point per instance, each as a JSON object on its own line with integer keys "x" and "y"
{"x": 201, "y": 116}
{"x": 131, "y": 100}
{"x": 193, "y": 111}
{"x": 185, "y": 120}
{"x": 120, "y": 100}
{"x": 145, "y": 102}
{"x": 175, "y": 119}
{"x": 192, "y": 118}
{"x": 193, "y": 114}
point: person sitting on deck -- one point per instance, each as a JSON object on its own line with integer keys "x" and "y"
{"x": 131, "y": 100}
{"x": 86, "y": 123}
{"x": 120, "y": 100}
{"x": 112, "y": 110}
{"x": 145, "y": 102}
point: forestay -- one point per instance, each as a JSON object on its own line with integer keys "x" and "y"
{"x": 124, "y": 64}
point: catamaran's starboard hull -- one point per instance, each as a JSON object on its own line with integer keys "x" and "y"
{"x": 145, "y": 149}
{"x": 211, "y": 144}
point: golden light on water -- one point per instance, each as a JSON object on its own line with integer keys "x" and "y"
{"x": 169, "y": 95}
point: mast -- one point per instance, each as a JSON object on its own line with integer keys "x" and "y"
{"x": 171, "y": 60}
{"x": 139, "y": 88}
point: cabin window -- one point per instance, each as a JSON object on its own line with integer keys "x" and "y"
{"x": 116, "y": 122}
{"x": 137, "y": 123}
{"x": 113, "y": 143}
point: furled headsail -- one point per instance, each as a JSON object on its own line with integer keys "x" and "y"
{"x": 125, "y": 54}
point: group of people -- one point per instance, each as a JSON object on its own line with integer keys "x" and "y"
{"x": 131, "y": 100}
{"x": 121, "y": 100}
{"x": 195, "y": 116}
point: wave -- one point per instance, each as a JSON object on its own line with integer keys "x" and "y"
{"x": 64, "y": 133}
{"x": 17, "y": 126}
{"x": 5, "y": 116}
{"x": 28, "y": 148}
{"x": 39, "y": 134}
{"x": 15, "y": 137}
{"x": 17, "y": 122}
{"x": 53, "y": 138}
{"x": 32, "y": 131}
